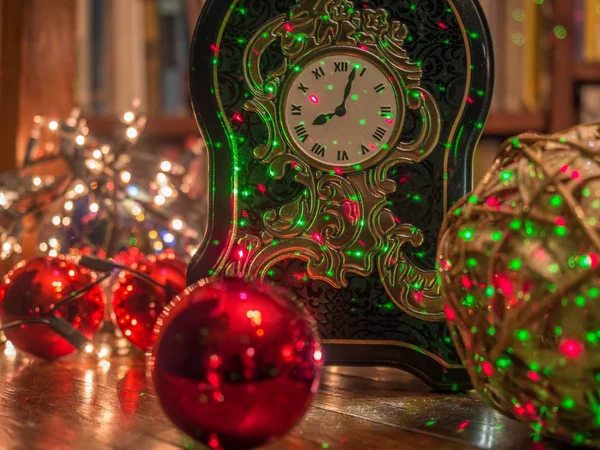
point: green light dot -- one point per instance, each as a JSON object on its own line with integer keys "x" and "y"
{"x": 558, "y": 331}
{"x": 593, "y": 293}
{"x": 556, "y": 201}
{"x": 515, "y": 264}
{"x": 506, "y": 175}
{"x": 354, "y": 97}
{"x": 560, "y": 32}
{"x": 560, "y": 231}
{"x": 534, "y": 366}
{"x": 522, "y": 335}
{"x": 473, "y": 199}
{"x": 363, "y": 121}
{"x": 330, "y": 87}
{"x": 491, "y": 331}
{"x": 503, "y": 362}
{"x": 489, "y": 291}
{"x": 467, "y": 234}
{"x": 591, "y": 337}
{"x": 580, "y": 301}
{"x": 496, "y": 236}
{"x": 471, "y": 262}
{"x": 568, "y": 403}
{"x": 469, "y": 300}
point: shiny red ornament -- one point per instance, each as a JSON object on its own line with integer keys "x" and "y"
{"x": 235, "y": 364}
{"x": 137, "y": 303}
{"x": 31, "y": 290}
{"x": 129, "y": 257}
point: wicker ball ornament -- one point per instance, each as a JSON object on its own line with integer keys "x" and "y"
{"x": 519, "y": 262}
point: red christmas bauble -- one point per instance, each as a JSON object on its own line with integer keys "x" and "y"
{"x": 137, "y": 303}
{"x": 129, "y": 257}
{"x": 235, "y": 364}
{"x": 30, "y": 291}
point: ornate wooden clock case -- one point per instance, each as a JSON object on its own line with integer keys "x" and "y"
{"x": 339, "y": 133}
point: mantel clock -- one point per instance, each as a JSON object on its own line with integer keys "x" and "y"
{"x": 339, "y": 133}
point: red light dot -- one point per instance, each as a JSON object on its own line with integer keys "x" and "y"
{"x": 450, "y": 314}
{"x": 533, "y": 376}
{"x": 487, "y": 369}
{"x": 571, "y": 348}
{"x": 288, "y": 27}
{"x": 313, "y": 98}
{"x": 575, "y": 174}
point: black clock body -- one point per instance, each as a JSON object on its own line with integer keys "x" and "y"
{"x": 352, "y": 226}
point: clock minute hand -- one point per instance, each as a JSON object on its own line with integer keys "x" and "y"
{"x": 323, "y": 119}
{"x": 341, "y": 109}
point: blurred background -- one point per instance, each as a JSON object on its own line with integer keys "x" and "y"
{"x": 99, "y": 55}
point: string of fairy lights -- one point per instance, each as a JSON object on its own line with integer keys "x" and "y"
{"x": 102, "y": 186}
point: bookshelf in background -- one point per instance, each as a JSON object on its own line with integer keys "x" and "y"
{"x": 135, "y": 49}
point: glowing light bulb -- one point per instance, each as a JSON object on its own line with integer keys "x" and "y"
{"x": 94, "y": 207}
{"x": 66, "y": 221}
{"x": 128, "y": 117}
{"x": 136, "y": 210}
{"x": 158, "y": 246}
{"x": 89, "y": 348}
{"x": 56, "y": 220}
{"x": 80, "y": 140}
{"x": 53, "y": 242}
{"x": 168, "y": 238}
{"x": 161, "y": 178}
{"x": 105, "y": 149}
{"x": 53, "y": 253}
{"x": 125, "y": 177}
{"x": 43, "y": 247}
{"x": 10, "y": 350}
{"x": 166, "y": 166}
{"x": 97, "y": 154}
{"x": 131, "y": 133}
{"x": 3, "y": 200}
{"x": 177, "y": 224}
{"x": 53, "y": 125}
{"x": 79, "y": 188}
{"x": 37, "y": 181}
{"x": 166, "y": 191}
{"x": 69, "y": 206}
{"x": 160, "y": 200}
{"x": 7, "y": 247}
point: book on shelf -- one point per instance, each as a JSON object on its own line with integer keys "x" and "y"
{"x": 589, "y": 103}
{"x": 522, "y": 74}
{"x": 130, "y": 49}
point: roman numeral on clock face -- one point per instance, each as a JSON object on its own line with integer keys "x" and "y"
{"x": 342, "y": 155}
{"x": 365, "y": 149}
{"x": 379, "y": 88}
{"x": 318, "y": 150}
{"x": 303, "y": 88}
{"x": 379, "y": 133}
{"x": 341, "y": 66}
{"x": 318, "y": 72}
{"x": 296, "y": 110}
{"x": 385, "y": 111}
{"x": 301, "y": 133}
{"x": 362, "y": 72}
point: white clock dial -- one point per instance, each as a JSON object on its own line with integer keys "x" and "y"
{"x": 341, "y": 110}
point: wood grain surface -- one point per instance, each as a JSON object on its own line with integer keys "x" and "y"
{"x": 78, "y": 404}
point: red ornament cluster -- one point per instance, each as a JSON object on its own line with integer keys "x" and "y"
{"x": 235, "y": 364}
{"x": 32, "y": 289}
{"x": 137, "y": 304}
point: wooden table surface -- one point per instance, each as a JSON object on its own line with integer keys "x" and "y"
{"x": 77, "y": 404}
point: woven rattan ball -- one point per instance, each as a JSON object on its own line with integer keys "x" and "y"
{"x": 519, "y": 262}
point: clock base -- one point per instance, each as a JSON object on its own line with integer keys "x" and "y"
{"x": 430, "y": 369}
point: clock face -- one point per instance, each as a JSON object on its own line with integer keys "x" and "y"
{"x": 341, "y": 110}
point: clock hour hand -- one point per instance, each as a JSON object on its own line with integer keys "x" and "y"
{"x": 323, "y": 119}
